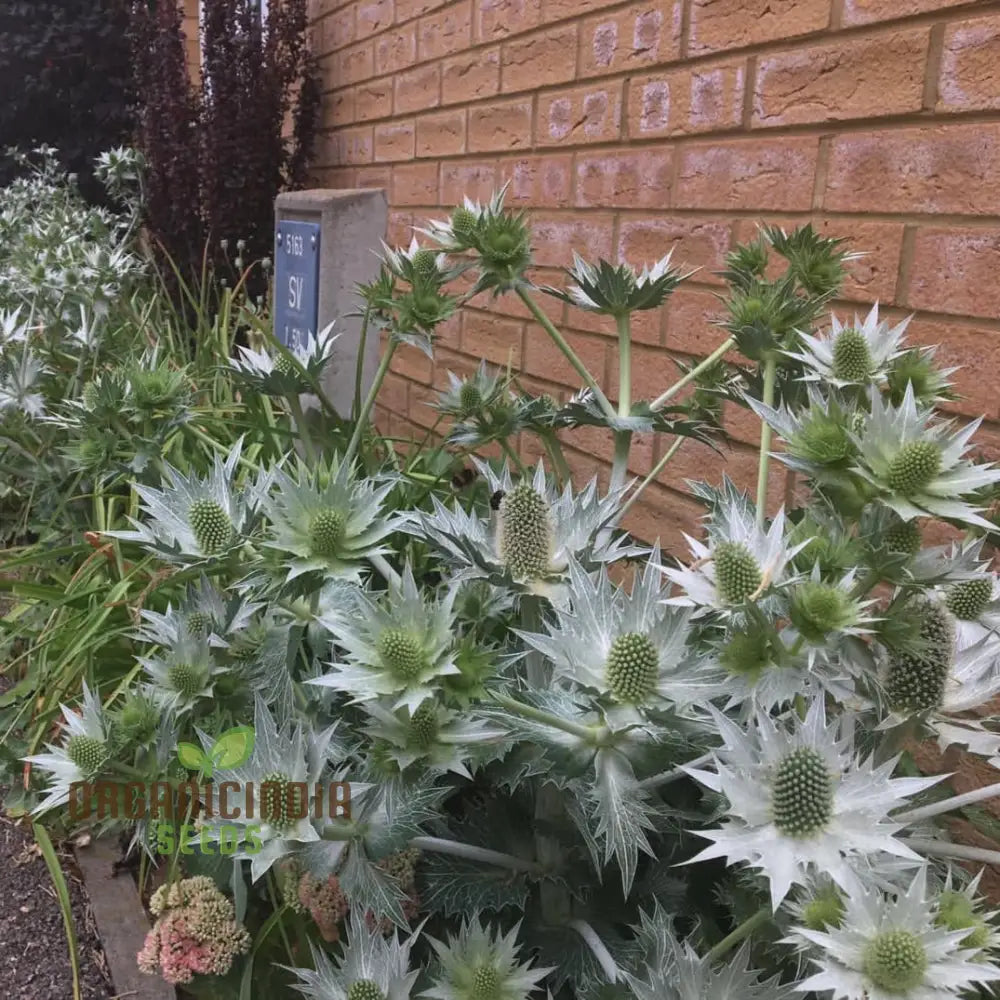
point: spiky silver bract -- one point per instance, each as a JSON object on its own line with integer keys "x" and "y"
{"x": 275, "y": 373}
{"x": 184, "y": 674}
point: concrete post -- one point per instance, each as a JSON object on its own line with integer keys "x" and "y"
{"x": 352, "y": 226}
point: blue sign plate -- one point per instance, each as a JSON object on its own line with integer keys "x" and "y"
{"x": 296, "y": 281}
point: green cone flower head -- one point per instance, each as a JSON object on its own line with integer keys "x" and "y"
{"x": 917, "y": 676}
{"x": 891, "y": 946}
{"x": 855, "y": 354}
{"x": 82, "y": 756}
{"x": 904, "y": 537}
{"x": 471, "y": 397}
{"x": 192, "y": 519}
{"x": 398, "y": 644}
{"x": 968, "y": 599}
{"x": 915, "y": 370}
{"x": 821, "y": 610}
{"x": 480, "y": 964}
{"x": 960, "y": 908}
{"x": 184, "y": 676}
{"x": 326, "y": 521}
{"x": 825, "y": 909}
{"x": 525, "y": 536}
{"x": 916, "y": 467}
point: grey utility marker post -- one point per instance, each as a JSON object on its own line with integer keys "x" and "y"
{"x": 326, "y": 242}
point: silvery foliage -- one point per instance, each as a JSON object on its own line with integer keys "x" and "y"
{"x": 561, "y": 753}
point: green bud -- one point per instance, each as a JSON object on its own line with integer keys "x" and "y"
{"x": 279, "y": 801}
{"x": 737, "y": 573}
{"x": 425, "y": 264}
{"x": 632, "y": 667}
{"x": 210, "y": 525}
{"x": 825, "y": 909}
{"x": 525, "y": 541}
{"x": 424, "y": 726}
{"x": 852, "y": 360}
{"x": 185, "y": 679}
{"x": 401, "y": 653}
{"x": 818, "y": 609}
{"x": 914, "y": 467}
{"x": 802, "y": 794}
{"x": 968, "y": 599}
{"x": 88, "y": 753}
{"x": 905, "y": 537}
{"x": 895, "y": 961}
{"x": 326, "y": 532}
{"x": 464, "y": 226}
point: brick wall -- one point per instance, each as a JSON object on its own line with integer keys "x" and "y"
{"x": 633, "y": 128}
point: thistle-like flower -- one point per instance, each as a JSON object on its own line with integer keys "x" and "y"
{"x": 852, "y": 355}
{"x": 482, "y": 964}
{"x": 801, "y": 802}
{"x": 975, "y": 605}
{"x": 527, "y": 545}
{"x": 327, "y": 521}
{"x": 673, "y": 970}
{"x": 193, "y": 519}
{"x": 618, "y": 290}
{"x": 740, "y": 563}
{"x": 468, "y": 398}
{"x": 628, "y": 647}
{"x": 915, "y": 466}
{"x": 20, "y": 377}
{"x": 397, "y": 645}
{"x": 888, "y": 947}
{"x": 961, "y": 908}
{"x": 823, "y": 612}
{"x": 184, "y": 674}
{"x": 271, "y": 795}
{"x": 373, "y": 966}
{"x": 437, "y": 737}
{"x": 277, "y": 373}
{"x": 82, "y": 757}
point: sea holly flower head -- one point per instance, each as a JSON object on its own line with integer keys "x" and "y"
{"x": 959, "y": 907}
{"x": 184, "y": 674}
{"x": 618, "y": 290}
{"x": 889, "y": 946}
{"x": 21, "y": 374}
{"x": 372, "y": 966}
{"x": 740, "y": 563}
{"x": 82, "y": 756}
{"x": 325, "y": 520}
{"x": 482, "y": 964}
{"x": 916, "y": 466}
{"x": 277, "y": 373}
{"x": 473, "y": 396}
{"x": 855, "y": 354}
{"x": 915, "y": 369}
{"x": 823, "y": 612}
{"x": 800, "y": 802}
{"x": 398, "y": 644}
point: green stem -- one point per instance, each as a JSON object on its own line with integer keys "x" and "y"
{"x": 946, "y": 805}
{"x": 457, "y": 849}
{"x": 362, "y": 419}
{"x": 598, "y": 948}
{"x": 623, "y": 439}
{"x": 744, "y": 930}
{"x": 663, "y": 398}
{"x": 360, "y": 370}
{"x": 668, "y": 777}
{"x": 295, "y": 405}
{"x": 555, "y": 453}
{"x": 512, "y": 455}
{"x": 571, "y": 355}
{"x": 586, "y": 733}
{"x": 619, "y": 466}
{"x": 653, "y": 473}
{"x": 770, "y": 375}
{"x": 941, "y": 849}
{"x": 389, "y": 574}
{"x": 279, "y": 908}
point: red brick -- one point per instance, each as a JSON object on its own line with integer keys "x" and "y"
{"x": 700, "y": 243}
{"x": 338, "y": 30}
{"x": 394, "y": 141}
{"x": 421, "y": 409}
{"x": 352, "y": 65}
{"x": 540, "y": 181}
{"x": 396, "y": 50}
{"x": 976, "y": 350}
{"x": 374, "y": 16}
{"x": 505, "y": 125}
{"x": 653, "y": 370}
{"x": 477, "y": 180}
{"x": 441, "y": 134}
{"x": 868, "y": 11}
{"x": 624, "y": 179}
{"x": 872, "y": 278}
{"x": 557, "y": 10}
{"x": 373, "y": 99}
{"x": 494, "y": 339}
{"x": 400, "y": 228}
{"x": 501, "y": 18}
{"x": 406, "y": 10}
{"x": 700, "y": 99}
{"x": 445, "y": 32}
{"x": 970, "y": 66}
{"x": 417, "y": 89}
{"x": 555, "y": 239}
{"x": 470, "y": 76}
{"x": 394, "y": 393}
{"x": 691, "y": 316}
{"x": 354, "y": 145}
{"x": 955, "y": 271}
{"x": 661, "y": 515}
{"x": 775, "y": 174}
{"x": 581, "y": 115}
{"x": 338, "y": 109}
{"x": 597, "y": 442}
{"x": 415, "y": 184}
{"x": 543, "y": 359}
{"x": 412, "y": 363}
{"x": 334, "y": 177}
{"x": 645, "y": 325}
{"x": 644, "y": 34}
{"x": 374, "y": 177}
{"x": 448, "y": 334}
{"x": 950, "y": 168}
{"x": 730, "y": 24}
{"x": 863, "y": 78}
{"x": 539, "y": 60}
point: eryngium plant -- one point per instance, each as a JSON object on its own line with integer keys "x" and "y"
{"x": 563, "y": 784}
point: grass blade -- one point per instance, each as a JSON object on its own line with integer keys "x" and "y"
{"x": 62, "y": 895}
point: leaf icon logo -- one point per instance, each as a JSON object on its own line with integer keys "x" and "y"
{"x": 230, "y": 750}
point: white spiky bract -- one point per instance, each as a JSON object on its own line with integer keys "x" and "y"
{"x": 844, "y": 957}
{"x": 854, "y": 821}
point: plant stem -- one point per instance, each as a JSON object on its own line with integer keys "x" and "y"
{"x": 653, "y": 473}
{"x": 470, "y": 852}
{"x": 770, "y": 374}
{"x": 619, "y": 466}
{"x": 295, "y": 405}
{"x": 623, "y": 439}
{"x": 598, "y": 947}
{"x": 278, "y": 907}
{"x": 512, "y": 455}
{"x": 946, "y": 805}
{"x": 945, "y": 850}
{"x": 585, "y": 733}
{"x": 380, "y": 563}
{"x": 554, "y": 450}
{"x": 571, "y": 355}
{"x": 668, "y": 777}
{"x": 744, "y": 930}
{"x": 362, "y": 418}
{"x": 663, "y": 398}
{"x": 360, "y": 370}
